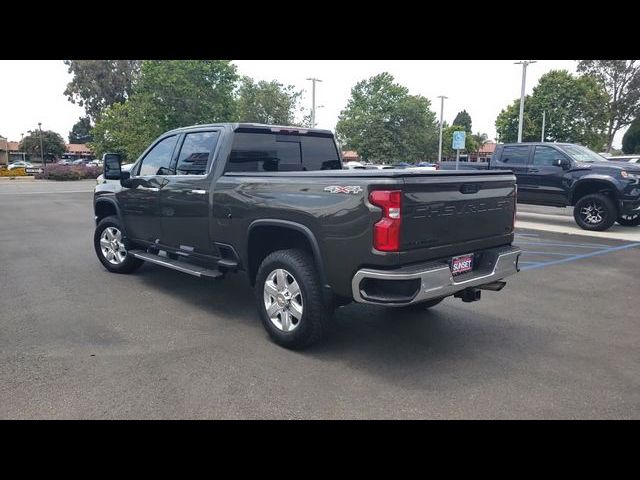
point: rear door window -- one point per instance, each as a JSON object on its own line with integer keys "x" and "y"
{"x": 517, "y": 155}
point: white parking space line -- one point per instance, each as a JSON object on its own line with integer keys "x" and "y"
{"x": 616, "y": 232}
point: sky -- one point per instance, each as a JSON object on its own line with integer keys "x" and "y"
{"x": 31, "y": 91}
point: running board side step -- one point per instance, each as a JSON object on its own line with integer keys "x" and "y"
{"x": 176, "y": 264}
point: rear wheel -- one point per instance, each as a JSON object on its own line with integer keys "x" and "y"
{"x": 595, "y": 212}
{"x": 109, "y": 243}
{"x": 290, "y": 301}
{"x": 629, "y": 220}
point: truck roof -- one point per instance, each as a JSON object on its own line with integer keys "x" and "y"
{"x": 537, "y": 143}
{"x": 260, "y": 126}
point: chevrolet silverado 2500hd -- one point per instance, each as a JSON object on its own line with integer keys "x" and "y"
{"x": 275, "y": 203}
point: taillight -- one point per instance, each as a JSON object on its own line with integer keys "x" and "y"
{"x": 386, "y": 232}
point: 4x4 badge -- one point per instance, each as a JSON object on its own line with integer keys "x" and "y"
{"x": 354, "y": 189}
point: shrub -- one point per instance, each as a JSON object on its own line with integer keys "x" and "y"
{"x": 69, "y": 172}
{"x": 16, "y": 172}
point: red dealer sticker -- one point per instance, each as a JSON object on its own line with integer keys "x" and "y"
{"x": 462, "y": 264}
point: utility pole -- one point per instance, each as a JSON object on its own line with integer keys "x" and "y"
{"x": 544, "y": 117}
{"x": 524, "y": 79}
{"x": 41, "y": 150}
{"x": 24, "y": 158}
{"x": 441, "y": 97}
{"x": 313, "y": 100}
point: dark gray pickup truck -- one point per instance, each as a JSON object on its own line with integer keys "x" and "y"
{"x": 274, "y": 203}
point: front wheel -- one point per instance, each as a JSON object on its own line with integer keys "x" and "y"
{"x": 108, "y": 241}
{"x": 595, "y": 212}
{"x": 632, "y": 220}
{"x": 289, "y": 296}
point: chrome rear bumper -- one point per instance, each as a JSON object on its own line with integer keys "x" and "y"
{"x": 435, "y": 278}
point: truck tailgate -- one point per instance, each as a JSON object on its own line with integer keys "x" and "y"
{"x": 455, "y": 209}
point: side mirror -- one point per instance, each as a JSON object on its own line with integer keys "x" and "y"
{"x": 112, "y": 166}
{"x": 126, "y": 180}
{"x": 562, "y": 162}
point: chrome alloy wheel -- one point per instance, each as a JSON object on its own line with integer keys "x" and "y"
{"x": 111, "y": 246}
{"x": 283, "y": 300}
{"x": 593, "y": 212}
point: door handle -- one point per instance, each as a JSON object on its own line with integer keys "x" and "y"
{"x": 533, "y": 170}
{"x": 197, "y": 192}
{"x": 150, "y": 189}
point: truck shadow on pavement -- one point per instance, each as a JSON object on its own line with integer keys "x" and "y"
{"x": 403, "y": 347}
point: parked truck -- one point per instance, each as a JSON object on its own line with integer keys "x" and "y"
{"x": 601, "y": 191}
{"x": 275, "y": 204}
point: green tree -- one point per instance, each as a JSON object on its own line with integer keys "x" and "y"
{"x": 167, "y": 95}
{"x": 98, "y": 84}
{"x": 52, "y": 144}
{"x": 575, "y": 111}
{"x": 178, "y": 93}
{"x": 631, "y": 139}
{"x": 383, "y": 123}
{"x": 621, "y": 80}
{"x": 81, "y": 131}
{"x": 480, "y": 139}
{"x": 463, "y": 119}
{"x": 267, "y": 102}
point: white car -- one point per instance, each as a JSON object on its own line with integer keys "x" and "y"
{"x": 125, "y": 168}
{"x": 353, "y": 166}
{"x": 19, "y": 164}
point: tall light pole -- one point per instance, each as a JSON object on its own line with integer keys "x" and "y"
{"x": 524, "y": 79}
{"x": 24, "y": 159}
{"x": 441, "y": 97}
{"x": 544, "y": 118}
{"x": 313, "y": 100}
{"x": 41, "y": 150}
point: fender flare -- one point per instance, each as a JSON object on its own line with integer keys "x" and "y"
{"x": 109, "y": 200}
{"x": 306, "y": 231}
{"x": 586, "y": 179}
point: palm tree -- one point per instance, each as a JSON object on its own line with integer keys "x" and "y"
{"x": 478, "y": 140}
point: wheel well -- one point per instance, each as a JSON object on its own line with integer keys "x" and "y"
{"x": 595, "y": 186}
{"x": 266, "y": 239}
{"x": 104, "y": 209}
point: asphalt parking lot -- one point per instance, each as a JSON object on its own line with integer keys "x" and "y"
{"x": 562, "y": 340}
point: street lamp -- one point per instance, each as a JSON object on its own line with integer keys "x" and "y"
{"x": 313, "y": 100}
{"x": 24, "y": 159}
{"x": 441, "y": 97}
{"x": 524, "y": 78}
{"x": 41, "y": 150}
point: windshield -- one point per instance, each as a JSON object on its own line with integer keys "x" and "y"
{"x": 582, "y": 154}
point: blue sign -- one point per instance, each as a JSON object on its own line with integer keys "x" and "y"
{"x": 458, "y": 140}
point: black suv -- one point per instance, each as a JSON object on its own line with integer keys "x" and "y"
{"x": 565, "y": 174}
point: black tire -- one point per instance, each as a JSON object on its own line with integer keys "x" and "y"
{"x": 129, "y": 264}
{"x": 310, "y": 328}
{"x": 629, "y": 220}
{"x": 608, "y": 212}
{"x": 418, "y": 307}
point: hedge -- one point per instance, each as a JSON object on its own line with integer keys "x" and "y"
{"x": 69, "y": 172}
{"x": 16, "y": 172}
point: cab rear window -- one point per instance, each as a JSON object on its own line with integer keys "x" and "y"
{"x": 273, "y": 152}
